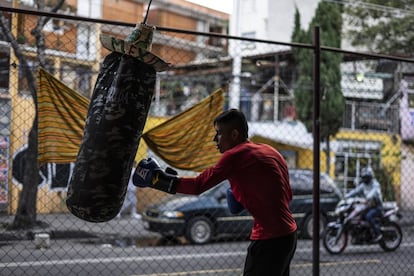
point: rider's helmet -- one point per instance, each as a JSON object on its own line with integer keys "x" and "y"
{"x": 367, "y": 175}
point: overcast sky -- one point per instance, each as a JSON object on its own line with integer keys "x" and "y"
{"x": 220, "y": 5}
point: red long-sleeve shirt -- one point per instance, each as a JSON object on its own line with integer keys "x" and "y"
{"x": 259, "y": 179}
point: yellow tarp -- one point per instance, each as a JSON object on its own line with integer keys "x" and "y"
{"x": 184, "y": 141}
{"x": 61, "y": 118}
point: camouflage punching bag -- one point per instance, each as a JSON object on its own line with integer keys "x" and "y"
{"x": 114, "y": 124}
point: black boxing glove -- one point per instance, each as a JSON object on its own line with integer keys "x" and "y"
{"x": 149, "y": 174}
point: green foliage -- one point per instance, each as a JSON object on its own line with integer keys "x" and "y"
{"x": 382, "y": 25}
{"x": 329, "y": 19}
{"x": 384, "y": 174}
{"x": 384, "y": 177}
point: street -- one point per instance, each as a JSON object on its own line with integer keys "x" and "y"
{"x": 84, "y": 257}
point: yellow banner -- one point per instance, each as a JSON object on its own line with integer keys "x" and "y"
{"x": 186, "y": 140}
{"x": 61, "y": 118}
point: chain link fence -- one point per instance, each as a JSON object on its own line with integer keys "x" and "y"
{"x": 188, "y": 235}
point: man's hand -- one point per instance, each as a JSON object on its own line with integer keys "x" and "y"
{"x": 149, "y": 174}
{"x": 234, "y": 206}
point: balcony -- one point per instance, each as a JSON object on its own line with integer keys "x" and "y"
{"x": 371, "y": 116}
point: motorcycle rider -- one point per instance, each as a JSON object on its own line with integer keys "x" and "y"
{"x": 370, "y": 189}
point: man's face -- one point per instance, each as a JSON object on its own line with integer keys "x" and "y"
{"x": 225, "y": 138}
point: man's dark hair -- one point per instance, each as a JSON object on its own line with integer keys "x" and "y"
{"x": 234, "y": 118}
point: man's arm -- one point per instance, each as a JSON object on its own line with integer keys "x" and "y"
{"x": 354, "y": 192}
{"x": 234, "y": 206}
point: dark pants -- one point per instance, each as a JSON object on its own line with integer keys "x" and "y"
{"x": 270, "y": 257}
{"x": 370, "y": 216}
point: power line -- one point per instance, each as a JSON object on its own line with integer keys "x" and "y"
{"x": 372, "y": 6}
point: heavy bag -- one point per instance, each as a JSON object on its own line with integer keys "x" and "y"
{"x": 113, "y": 128}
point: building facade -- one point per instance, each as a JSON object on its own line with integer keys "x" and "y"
{"x": 73, "y": 55}
{"x": 371, "y": 121}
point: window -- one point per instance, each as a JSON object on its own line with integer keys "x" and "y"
{"x": 23, "y": 83}
{"x": 4, "y": 72}
{"x": 351, "y": 156}
{"x": 216, "y": 41}
{"x": 301, "y": 182}
{"x": 77, "y": 78}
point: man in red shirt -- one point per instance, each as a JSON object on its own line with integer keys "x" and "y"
{"x": 259, "y": 181}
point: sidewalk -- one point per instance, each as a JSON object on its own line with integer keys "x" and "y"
{"x": 68, "y": 226}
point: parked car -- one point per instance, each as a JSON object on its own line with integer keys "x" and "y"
{"x": 205, "y": 217}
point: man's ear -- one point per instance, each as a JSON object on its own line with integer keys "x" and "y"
{"x": 235, "y": 135}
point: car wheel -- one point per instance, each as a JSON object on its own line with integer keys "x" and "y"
{"x": 199, "y": 230}
{"x": 308, "y": 226}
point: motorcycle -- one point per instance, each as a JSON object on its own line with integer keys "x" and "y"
{"x": 350, "y": 224}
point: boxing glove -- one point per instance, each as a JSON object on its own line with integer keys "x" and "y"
{"x": 234, "y": 206}
{"x": 149, "y": 174}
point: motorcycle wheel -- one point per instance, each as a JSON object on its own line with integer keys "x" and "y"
{"x": 330, "y": 244}
{"x": 392, "y": 236}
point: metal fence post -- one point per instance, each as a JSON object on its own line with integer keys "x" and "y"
{"x": 316, "y": 147}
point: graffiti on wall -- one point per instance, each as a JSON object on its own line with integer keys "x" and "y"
{"x": 55, "y": 176}
{"x": 5, "y": 110}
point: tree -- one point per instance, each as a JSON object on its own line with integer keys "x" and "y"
{"x": 328, "y": 18}
{"x": 26, "y": 209}
{"x": 381, "y": 25}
